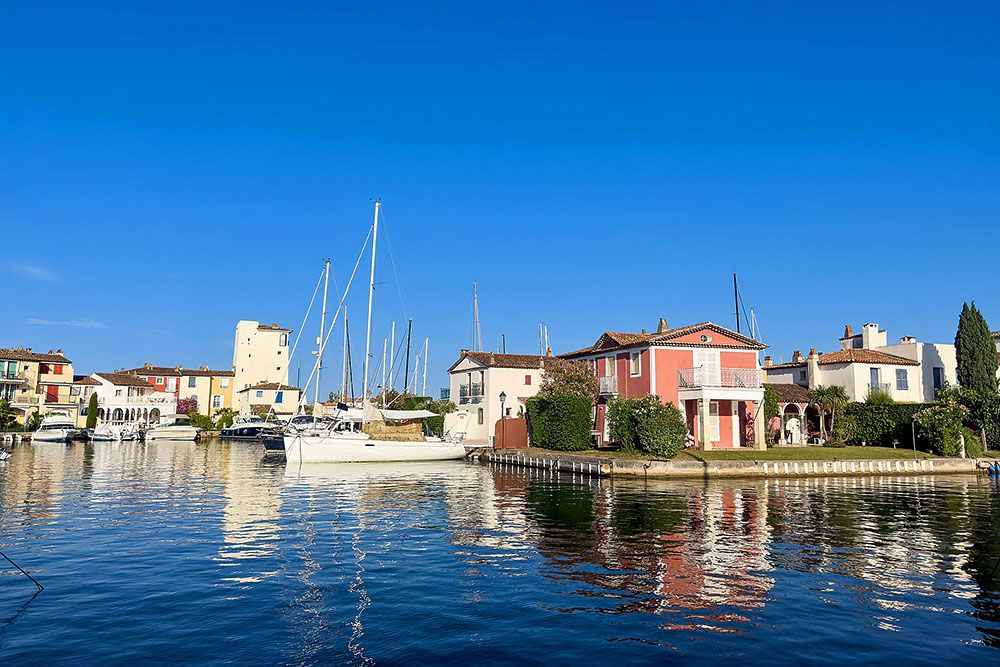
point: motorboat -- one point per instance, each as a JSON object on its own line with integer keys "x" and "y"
{"x": 249, "y": 428}
{"x": 175, "y": 432}
{"x": 55, "y": 427}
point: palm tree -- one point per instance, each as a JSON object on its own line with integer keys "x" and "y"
{"x": 828, "y": 400}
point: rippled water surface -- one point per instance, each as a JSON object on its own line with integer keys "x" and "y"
{"x": 202, "y": 553}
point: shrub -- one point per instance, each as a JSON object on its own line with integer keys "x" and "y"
{"x": 940, "y": 426}
{"x": 224, "y": 418}
{"x": 92, "y": 409}
{"x": 204, "y": 422}
{"x": 647, "y": 425}
{"x": 973, "y": 444}
{"x": 881, "y": 424}
{"x": 187, "y": 405}
{"x": 435, "y": 425}
{"x": 7, "y": 417}
{"x": 561, "y": 422}
{"x": 878, "y": 397}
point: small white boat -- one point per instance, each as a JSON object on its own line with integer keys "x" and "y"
{"x": 175, "y": 432}
{"x": 341, "y": 444}
{"x": 4, "y": 455}
{"x": 55, "y": 427}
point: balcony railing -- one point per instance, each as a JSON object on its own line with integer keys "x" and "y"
{"x": 882, "y": 387}
{"x": 608, "y": 385}
{"x": 470, "y": 390}
{"x": 728, "y": 378}
{"x": 13, "y": 377}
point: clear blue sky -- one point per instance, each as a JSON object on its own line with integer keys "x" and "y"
{"x": 167, "y": 170}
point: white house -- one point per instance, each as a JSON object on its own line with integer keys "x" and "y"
{"x": 126, "y": 399}
{"x": 476, "y": 381}
{"x": 909, "y": 371}
{"x": 269, "y": 398}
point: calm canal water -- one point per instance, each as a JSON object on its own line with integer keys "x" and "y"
{"x": 202, "y": 553}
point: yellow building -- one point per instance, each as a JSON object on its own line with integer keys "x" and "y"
{"x": 212, "y": 389}
{"x": 35, "y": 382}
{"x": 264, "y": 398}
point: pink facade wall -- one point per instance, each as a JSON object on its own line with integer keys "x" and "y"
{"x": 729, "y": 359}
{"x": 668, "y": 362}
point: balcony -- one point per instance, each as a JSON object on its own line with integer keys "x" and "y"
{"x": 15, "y": 378}
{"x": 882, "y": 387}
{"x": 608, "y": 385}
{"x": 718, "y": 378}
{"x": 470, "y": 390}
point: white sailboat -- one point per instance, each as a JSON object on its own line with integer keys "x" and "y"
{"x": 55, "y": 427}
{"x": 339, "y": 441}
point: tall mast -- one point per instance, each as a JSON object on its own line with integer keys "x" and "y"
{"x": 477, "y": 332}
{"x": 416, "y": 372}
{"x": 347, "y": 358}
{"x": 322, "y": 331}
{"x": 736, "y": 301}
{"x": 406, "y": 370}
{"x": 371, "y": 299}
{"x": 423, "y": 390}
{"x": 546, "y": 350}
{"x": 385, "y": 345}
{"x": 392, "y": 355}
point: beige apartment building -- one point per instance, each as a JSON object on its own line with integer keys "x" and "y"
{"x": 260, "y": 354}
{"x": 269, "y": 398}
{"x": 36, "y": 382}
{"x": 212, "y": 389}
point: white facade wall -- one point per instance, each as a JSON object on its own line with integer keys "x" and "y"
{"x": 495, "y": 380}
{"x": 289, "y": 400}
{"x": 259, "y": 355}
{"x": 138, "y": 405}
{"x": 930, "y": 356}
{"x": 786, "y": 375}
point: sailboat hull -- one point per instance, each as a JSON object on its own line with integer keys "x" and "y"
{"x": 326, "y": 449}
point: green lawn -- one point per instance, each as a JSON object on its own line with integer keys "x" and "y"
{"x": 811, "y": 454}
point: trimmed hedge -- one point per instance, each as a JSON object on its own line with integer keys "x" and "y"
{"x": 561, "y": 422}
{"x": 645, "y": 424}
{"x": 881, "y": 423}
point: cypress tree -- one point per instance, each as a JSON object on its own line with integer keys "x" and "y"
{"x": 975, "y": 351}
{"x": 92, "y": 411}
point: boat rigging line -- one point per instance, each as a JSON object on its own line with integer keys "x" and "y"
{"x": 21, "y": 569}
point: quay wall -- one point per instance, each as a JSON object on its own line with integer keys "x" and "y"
{"x": 619, "y": 467}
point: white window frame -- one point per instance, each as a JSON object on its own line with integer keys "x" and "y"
{"x": 902, "y": 374}
{"x": 224, "y": 383}
{"x": 635, "y": 357}
{"x": 216, "y": 401}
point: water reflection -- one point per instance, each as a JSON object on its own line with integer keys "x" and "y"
{"x": 209, "y": 547}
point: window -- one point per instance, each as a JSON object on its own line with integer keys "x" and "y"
{"x": 159, "y": 380}
{"x": 172, "y": 384}
{"x": 283, "y": 340}
{"x": 527, "y": 380}
{"x": 875, "y": 377}
{"x": 902, "y": 382}
{"x": 609, "y": 367}
{"x": 57, "y": 369}
{"x": 260, "y": 394}
{"x": 43, "y": 369}
{"x": 803, "y": 376}
{"x": 216, "y": 401}
{"x": 224, "y": 382}
{"x": 118, "y": 392}
{"x": 633, "y": 360}
{"x": 192, "y": 382}
{"x": 279, "y": 397}
{"x": 938, "y": 378}
{"x": 74, "y": 390}
{"x": 507, "y": 412}
{"x": 479, "y": 415}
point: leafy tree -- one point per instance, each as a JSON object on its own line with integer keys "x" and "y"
{"x": 646, "y": 424}
{"x": 828, "y": 400}
{"x": 224, "y": 418}
{"x": 940, "y": 425}
{"x": 92, "y": 411}
{"x": 204, "y": 422}
{"x": 975, "y": 351}
{"x": 568, "y": 378}
{"x": 33, "y": 421}
{"x": 8, "y": 420}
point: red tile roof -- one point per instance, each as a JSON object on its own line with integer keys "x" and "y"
{"x": 85, "y": 380}
{"x": 851, "y": 356}
{"x": 150, "y": 369}
{"x": 269, "y": 386}
{"x": 497, "y": 360}
{"x": 204, "y": 372}
{"x": 614, "y": 340}
{"x": 272, "y": 327}
{"x": 789, "y": 393}
{"x": 25, "y": 354}
{"x": 123, "y": 379}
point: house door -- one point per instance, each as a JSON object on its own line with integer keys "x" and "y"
{"x": 708, "y": 362}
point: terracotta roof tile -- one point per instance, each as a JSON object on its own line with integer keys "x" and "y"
{"x": 85, "y": 380}
{"x": 789, "y": 393}
{"x": 620, "y": 339}
{"x": 204, "y": 372}
{"x": 123, "y": 379}
{"x": 149, "y": 369}
{"x": 272, "y": 327}
{"x": 25, "y": 354}
{"x": 269, "y": 386}
{"x": 864, "y": 356}
{"x": 497, "y": 360}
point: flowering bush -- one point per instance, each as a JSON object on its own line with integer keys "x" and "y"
{"x": 941, "y": 426}
{"x": 186, "y": 406}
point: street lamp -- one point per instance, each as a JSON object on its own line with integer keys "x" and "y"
{"x": 503, "y": 423}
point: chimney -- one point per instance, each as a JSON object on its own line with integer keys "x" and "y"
{"x": 491, "y": 359}
{"x": 59, "y": 351}
{"x": 908, "y": 339}
{"x": 848, "y": 331}
{"x": 643, "y": 332}
{"x": 812, "y": 351}
{"x": 661, "y": 326}
{"x": 812, "y": 370}
{"x": 767, "y": 360}
{"x": 797, "y": 356}
{"x": 51, "y": 351}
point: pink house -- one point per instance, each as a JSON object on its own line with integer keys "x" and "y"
{"x": 711, "y": 373}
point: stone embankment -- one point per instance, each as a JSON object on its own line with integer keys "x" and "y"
{"x": 598, "y": 466}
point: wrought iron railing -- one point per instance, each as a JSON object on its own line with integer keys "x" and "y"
{"x": 608, "y": 385}
{"x": 470, "y": 390}
{"x": 882, "y": 387}
{"x": 728, "y": 378}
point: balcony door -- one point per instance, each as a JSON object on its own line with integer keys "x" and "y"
{"x": 708, "y": 362}
{"x": 876, "y": 378}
